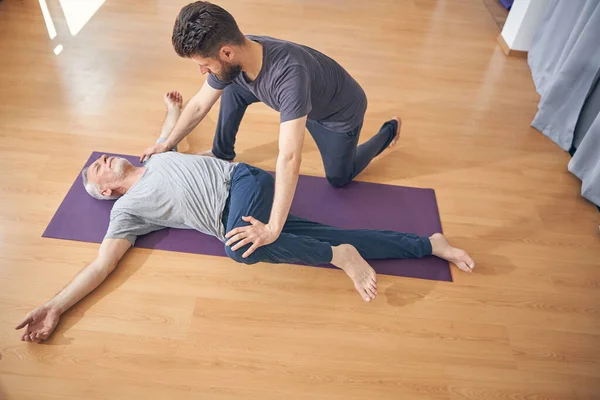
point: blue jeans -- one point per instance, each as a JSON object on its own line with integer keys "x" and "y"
{"x": 303, "y": 241}
{"x": 342, "y": 158}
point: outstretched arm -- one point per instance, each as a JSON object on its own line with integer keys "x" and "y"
{"x": 174, "y": 102}
{"x": 41, "y": 322}
{"x": 192, "y": 115}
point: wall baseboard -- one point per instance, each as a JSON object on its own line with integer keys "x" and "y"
{"x": 507, "y": 50}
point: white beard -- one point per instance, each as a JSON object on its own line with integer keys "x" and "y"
{"x": 119, "y": 165}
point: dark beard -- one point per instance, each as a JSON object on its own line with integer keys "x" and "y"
{"x": 229, "y": 72}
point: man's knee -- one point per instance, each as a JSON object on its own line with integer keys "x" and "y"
{"x": 236, "y": 255}
{"x": 338, "y": 182}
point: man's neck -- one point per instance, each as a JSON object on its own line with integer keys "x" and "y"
{"x": 252, "y": 59}
{"x": 131, "y": 178}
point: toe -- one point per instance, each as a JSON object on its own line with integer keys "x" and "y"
{"x": 374, "y": 282}
{"x": 463, "y": 266}
{"x": 372, "y": 292}
{"x": 373, "y": 289}
{"x": 366, "y": 297}
{"x": 470, "y": 261}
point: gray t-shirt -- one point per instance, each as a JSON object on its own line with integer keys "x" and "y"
{"x": 177, "y": 190}
{"x": 297, "y": 81}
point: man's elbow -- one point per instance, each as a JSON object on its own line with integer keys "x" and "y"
{"x": 198, "y": 106}
{"x": 195, "y": 109}
{"x": 291, "y": 159}
{"x": 104, "y": 266}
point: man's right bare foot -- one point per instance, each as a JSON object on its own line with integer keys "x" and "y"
{"x": 395, "y": 139}
{"x": 442, "y": 249}
{"x": 347, "y": 258}
{"x": 206, "y": 153}
{"x": 173, "y": 100}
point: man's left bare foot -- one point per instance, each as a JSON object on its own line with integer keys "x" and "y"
{"x": 347, "y": 258}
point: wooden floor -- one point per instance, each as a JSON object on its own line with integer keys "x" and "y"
{"x": 497, "y": 12}
{"x": 525, "y": 325}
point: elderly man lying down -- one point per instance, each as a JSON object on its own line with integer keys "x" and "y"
{"x": 214, "y": 197}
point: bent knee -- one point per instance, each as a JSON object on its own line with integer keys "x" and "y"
{"x": 236, "y": 255}
{"x": 337, "y": 181}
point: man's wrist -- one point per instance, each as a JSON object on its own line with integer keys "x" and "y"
{"x": 167, "y": 144}
{"x": 55, "y": 306}
{"x": 275, "y": 229}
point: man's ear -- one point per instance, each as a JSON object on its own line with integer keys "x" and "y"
{"x": 106, "y": 192}
{"x": 227, "y": 53}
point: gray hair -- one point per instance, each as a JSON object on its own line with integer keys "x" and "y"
{"x": 93, "y": 189}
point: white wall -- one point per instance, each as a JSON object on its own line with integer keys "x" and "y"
{"x": 522, "y": 23}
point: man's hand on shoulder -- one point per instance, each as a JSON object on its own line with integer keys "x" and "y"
{"x": 155, "y": 149}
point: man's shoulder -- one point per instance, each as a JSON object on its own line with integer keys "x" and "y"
{"x": 121, "y": 205}
{"x": 279, "y": 49}
{"x": 264, "y": 39}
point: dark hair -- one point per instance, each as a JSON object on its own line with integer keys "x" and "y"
{"x": 203, "y": 28}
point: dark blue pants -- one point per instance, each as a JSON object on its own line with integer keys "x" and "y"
{"x": 342, "y": 158}
{"x": 303, "y": 241}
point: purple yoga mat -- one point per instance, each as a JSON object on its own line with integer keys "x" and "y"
{"x": 359, "y": 205}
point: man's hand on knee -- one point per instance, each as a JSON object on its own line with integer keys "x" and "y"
{"x": 256, "y": 233}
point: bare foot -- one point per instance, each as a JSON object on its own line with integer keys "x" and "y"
{"x": 174, "y": 100}
{"x": 395, "y": 140}
{"x": 206, "y": 153}
{"x": 349, "y": 259}
{"x": 458, "y": 257}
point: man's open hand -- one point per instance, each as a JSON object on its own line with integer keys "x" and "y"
{"x": 256, "y": 233}
{"x": 39, "y": 324}
{"x": 157, "y": 148}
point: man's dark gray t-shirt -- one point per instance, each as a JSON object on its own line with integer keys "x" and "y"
{"x": 297, "y": 81}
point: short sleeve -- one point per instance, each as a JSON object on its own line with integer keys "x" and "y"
{"x": 294, "y": 94}
{"x": 123, "y": 225}
{"x": 216, "y": 83}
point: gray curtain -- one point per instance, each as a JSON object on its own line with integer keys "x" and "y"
{"x": 565, "y": 64}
